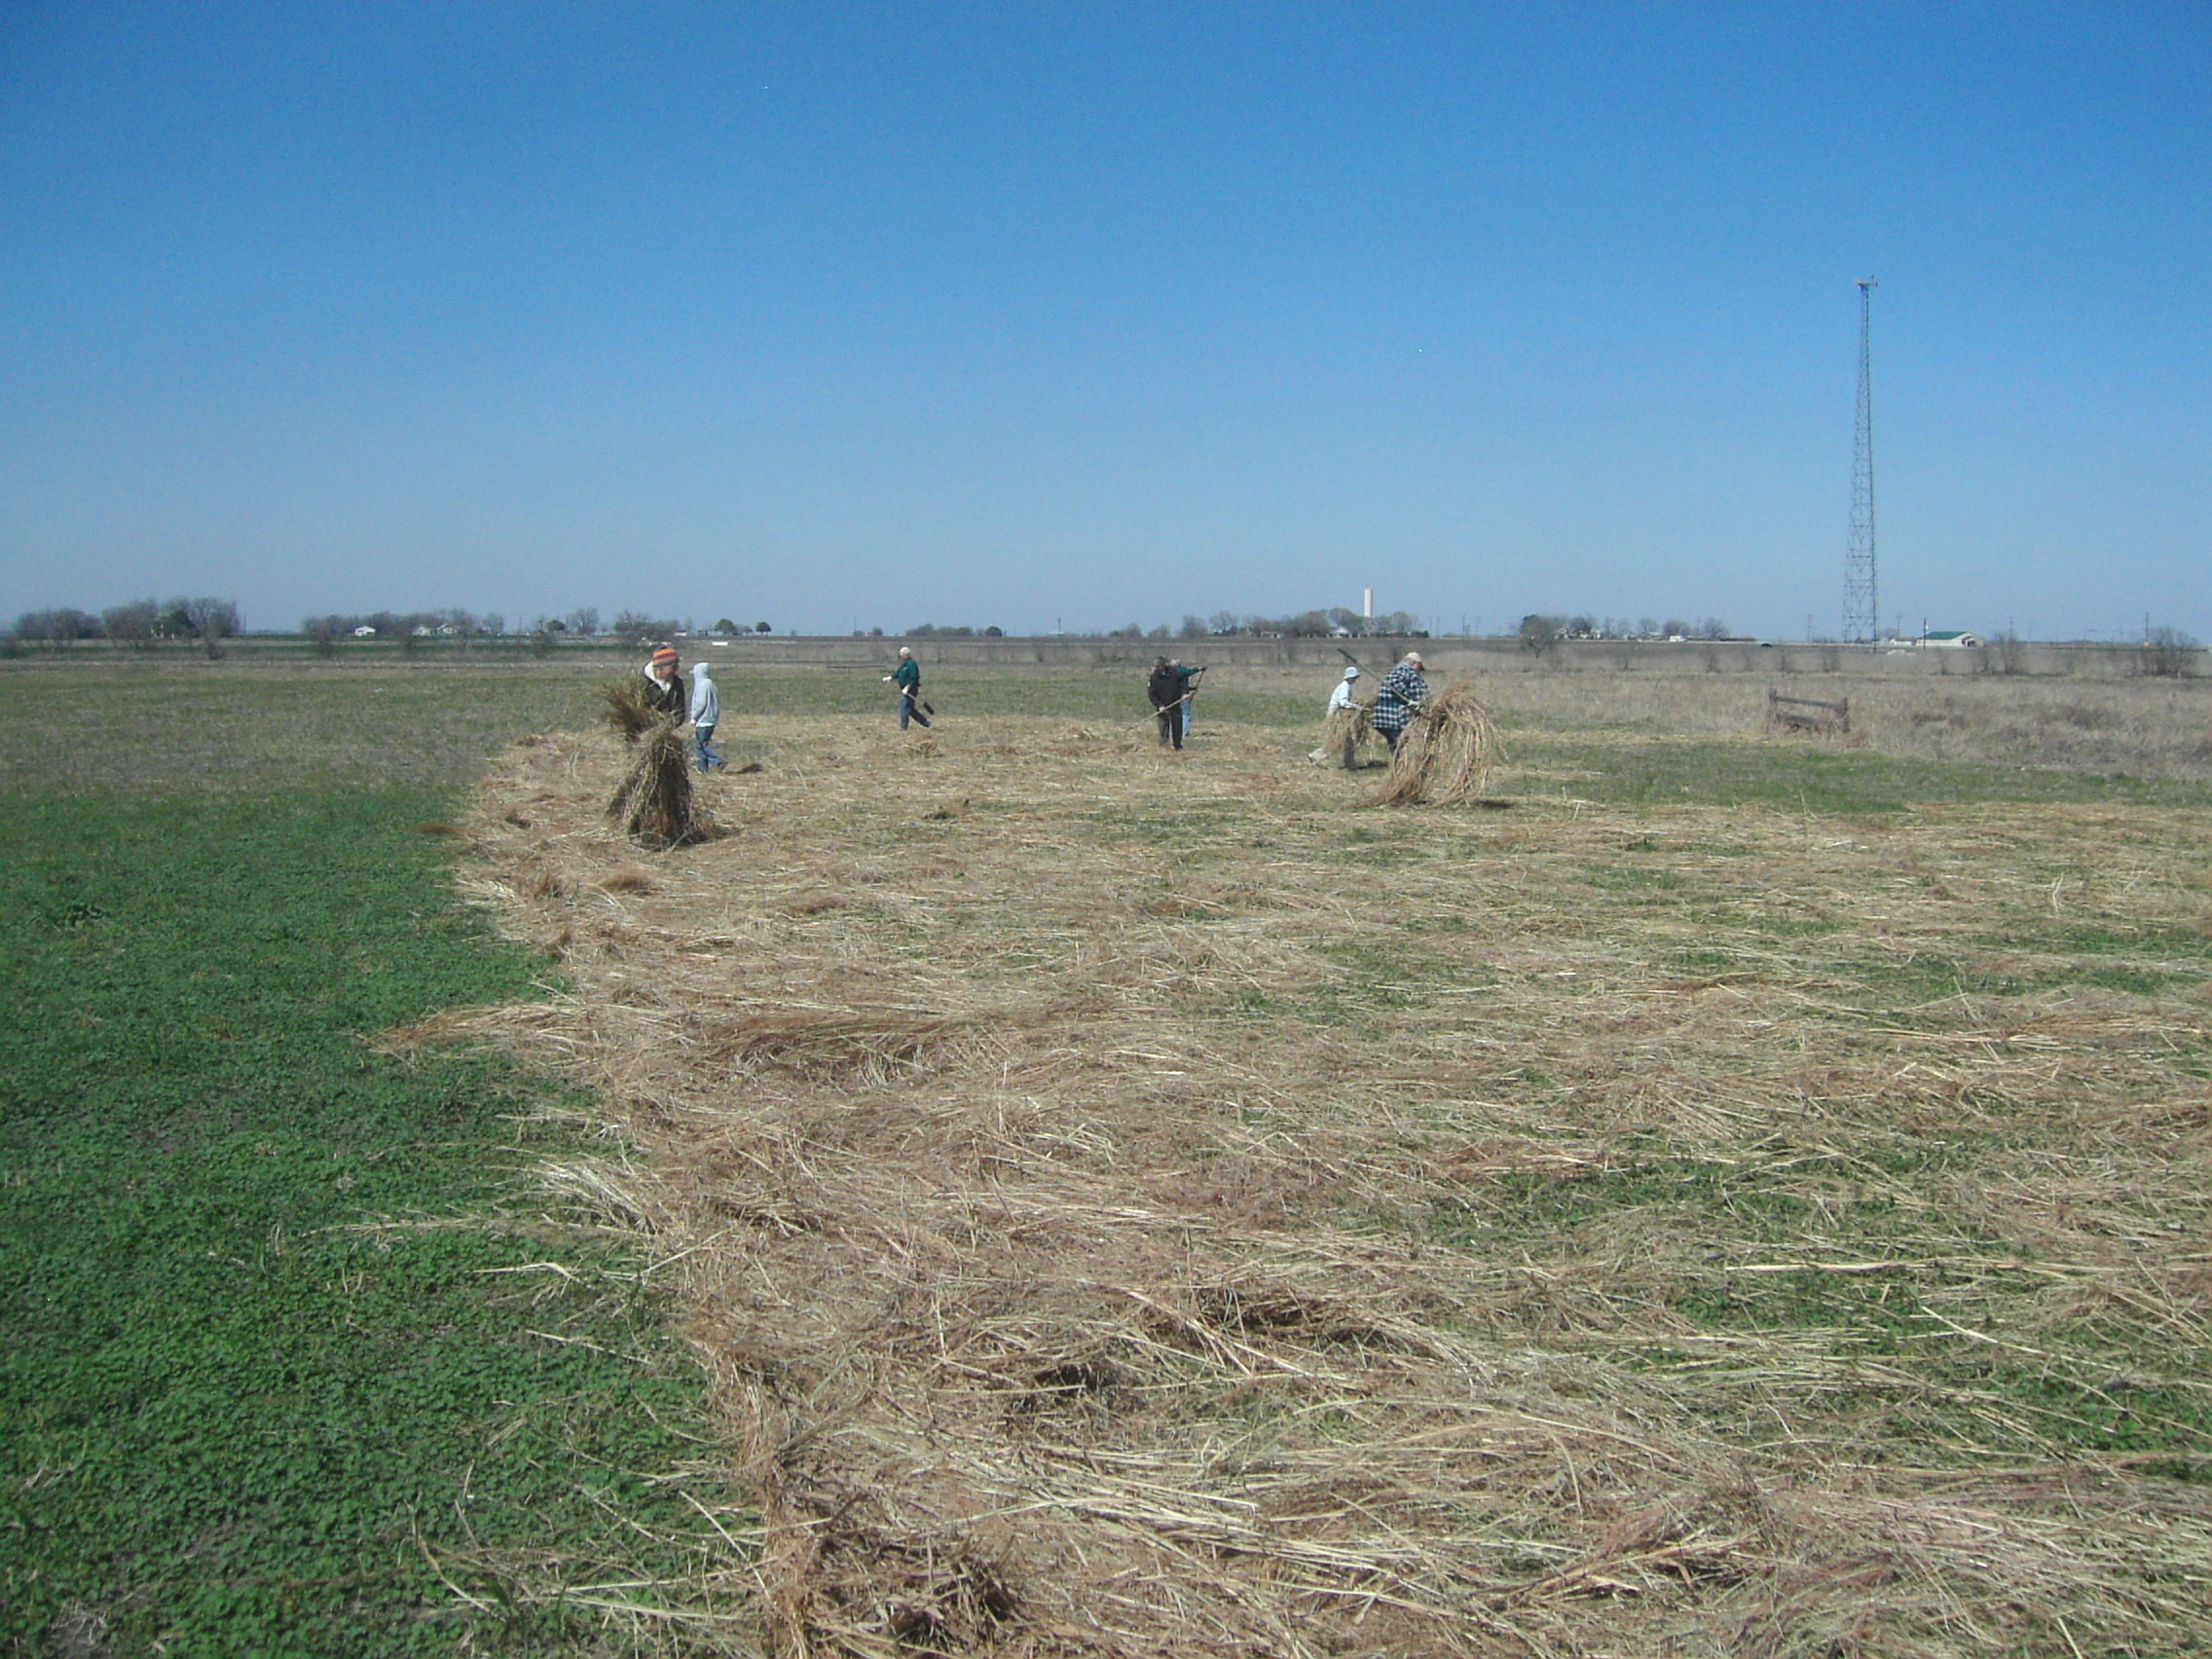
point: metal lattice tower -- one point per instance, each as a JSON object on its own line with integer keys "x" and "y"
{"x": 1861, "y": 601}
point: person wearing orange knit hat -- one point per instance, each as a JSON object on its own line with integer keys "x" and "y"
{"x": 664, "y": 687}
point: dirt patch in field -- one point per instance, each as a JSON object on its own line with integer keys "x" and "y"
{"x": 1133, "y": 1203}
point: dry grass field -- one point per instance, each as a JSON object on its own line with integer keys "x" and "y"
{"x": 1142, "y": 1205}
{"x": 2150, "y": 729}
{"x": 1721, "y": 1194}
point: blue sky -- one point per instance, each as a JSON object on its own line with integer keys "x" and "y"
{"x": 1075, "y": 314}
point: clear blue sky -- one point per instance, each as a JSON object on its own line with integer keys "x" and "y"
{"x": 867, "y": 316}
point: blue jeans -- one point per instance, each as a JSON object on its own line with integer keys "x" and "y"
{"x": 707, "y": 756}
{"x": 908, "y": 711}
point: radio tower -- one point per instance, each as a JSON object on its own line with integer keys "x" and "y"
{"x": 1861, "y": 603}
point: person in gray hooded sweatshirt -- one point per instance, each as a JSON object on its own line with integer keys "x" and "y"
{"x": 705, "y": 712}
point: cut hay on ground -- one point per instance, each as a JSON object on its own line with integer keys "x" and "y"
{"x": 1117, "y": 1225}
{"x": 1445, "y": 753}
{"x": 653, "y": 803}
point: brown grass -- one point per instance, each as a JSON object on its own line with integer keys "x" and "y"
{"x": 2150, "y": 730}
{"x": 1345, "y": 732}
{"x": 1121, "y": 1216}
{"x": 1445, "y": 752}
{"x": 624, "y": 708}
{"x": 653, "y": 803}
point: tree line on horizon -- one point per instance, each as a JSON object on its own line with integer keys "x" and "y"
{"x": 1539, "y": 630}
{"x": 139, "y": 623}
{"x": 632, "y": 627}
{"x": 146, "y": 624}
{"x": 1317, "y": 624}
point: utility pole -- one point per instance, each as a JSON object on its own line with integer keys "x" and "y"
{"x": 1862, "y": 599}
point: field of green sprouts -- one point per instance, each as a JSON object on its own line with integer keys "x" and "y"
{"x": 285, "y": 1363}
{"x": 1836, "y": 1115}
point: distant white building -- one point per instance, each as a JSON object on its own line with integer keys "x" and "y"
{"x": 1945, "y": 639}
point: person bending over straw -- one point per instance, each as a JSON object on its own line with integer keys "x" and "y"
{"x": 1165, "y": 691}
{"x": 907, "y": 676}
{"x": 1346, "y": 718}
{"x": 1404, "y": 691}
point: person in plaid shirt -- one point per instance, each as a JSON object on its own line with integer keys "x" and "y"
{"x": 1404, "y": 691}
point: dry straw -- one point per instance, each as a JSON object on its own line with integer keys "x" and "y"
{"x": 1101, "y": 1250}
{"x": 653, "y": 803}
{"x": 625, "y": 708}
{"x": 1343, "y": 730}
{"x": 1446, "y": 752}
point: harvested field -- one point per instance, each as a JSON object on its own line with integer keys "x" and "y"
{"x": 1131, "y": 1204}
{"x": 2144, "y": 728}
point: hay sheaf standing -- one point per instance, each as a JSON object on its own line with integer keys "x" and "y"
{"x": 654, "y": 804}
{"x": 1445, "y": 752}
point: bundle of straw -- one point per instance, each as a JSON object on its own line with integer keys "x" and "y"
{"x": 1343, "y": 730}
{"x": 1445, "y": 753}
{"x": 623, "y": 706}
{"x": 654, "y": 804}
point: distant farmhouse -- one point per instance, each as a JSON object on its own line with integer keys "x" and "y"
{"x": 1947, "y": 638}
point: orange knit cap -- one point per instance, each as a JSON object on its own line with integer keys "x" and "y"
{"x": 667, "y": 653}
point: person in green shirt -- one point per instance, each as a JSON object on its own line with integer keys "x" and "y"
{"x": 907, "y": 676}
{"x": 1189, "y": 679}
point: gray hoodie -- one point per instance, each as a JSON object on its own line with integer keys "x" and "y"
{"x": 706, "y": 700}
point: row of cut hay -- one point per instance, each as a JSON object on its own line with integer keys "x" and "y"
{"x": 1446, "y": 752}
{"x": 1082, "y": 1303}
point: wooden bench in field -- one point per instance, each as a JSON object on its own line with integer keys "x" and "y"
{"x": 1806, "y": 714}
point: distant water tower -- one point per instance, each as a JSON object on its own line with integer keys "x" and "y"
{"x": 1367, "y": 603}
